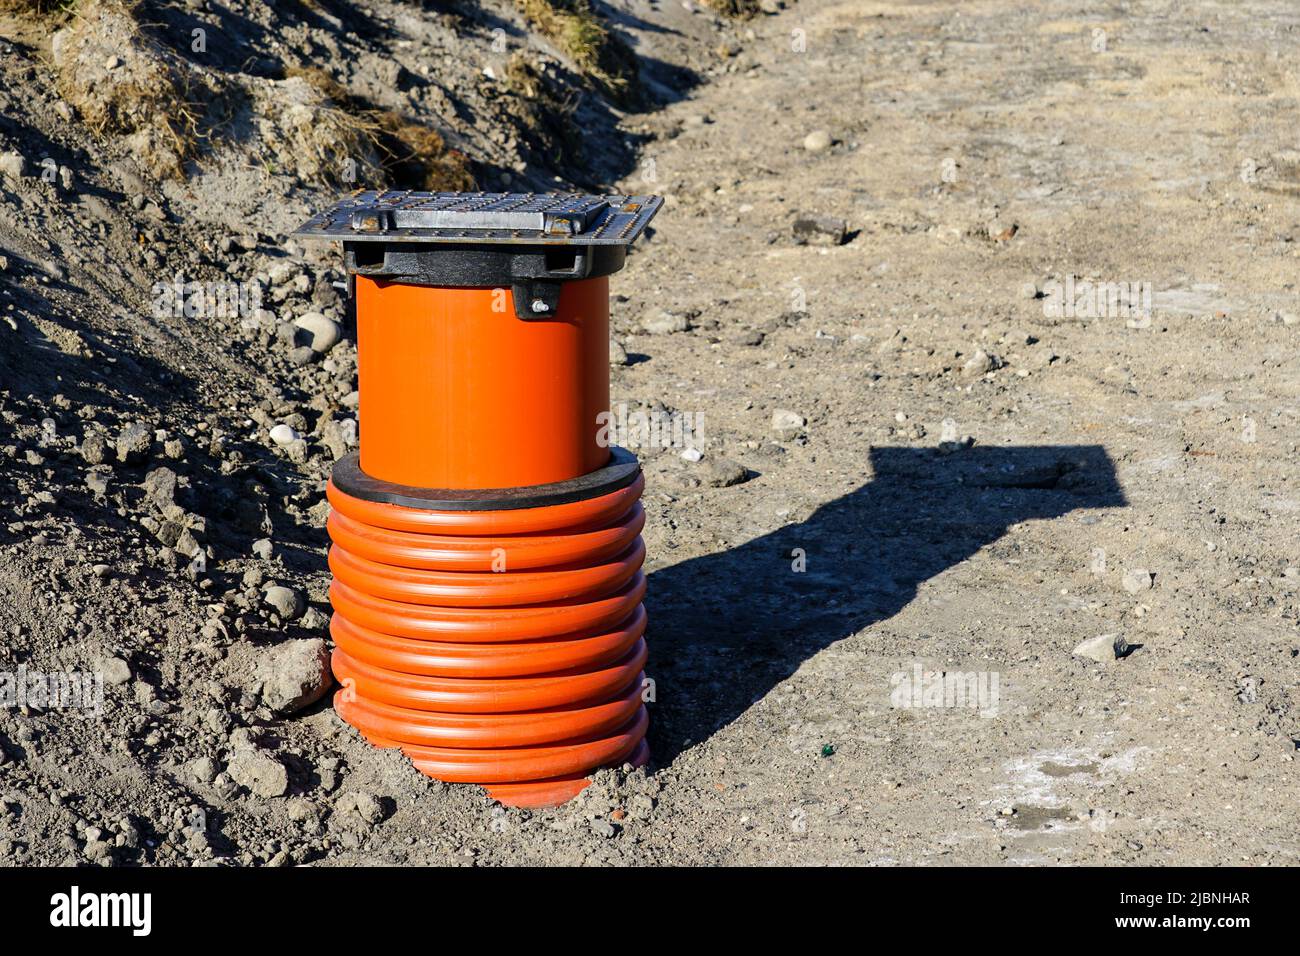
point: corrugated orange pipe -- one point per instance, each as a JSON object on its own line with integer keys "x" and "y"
{"x": 522, "y": 680}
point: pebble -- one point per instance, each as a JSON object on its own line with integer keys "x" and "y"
{"x": 284, "y": 435}
{"x": 664, "y": 322}
{"x": 978, "y": 364}
{"x": 1103, "y": 649}
{"x": 133, "y": 443}
{"x": 203, "y": 769}
{"x": 94, "y": 449}
{"x": 262, "y": 548}
{"x": 723, "y": 473}
{"x": 692, "y": 455}
{"x": 617, "y": 353}
{"x": 1289, "y": 318}
{"x": 320, "y": 334}
{"x": 787, "y": 424}
{"x": 820, "y": 230}
{"x": 365, "y": 805}
{"x": 1138, "y": 580}
{"x": 295, "y": 674}
{"x": 287, "y": 602}
{"x": 818, "y": 141}
{"x": 116, "y": 671}
{"x": 260, "y": 773}
{"x": 160, "y": 486}
{"x": 12, "y": 165}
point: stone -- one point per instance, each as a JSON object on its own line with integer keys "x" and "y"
{"x": 1103, "y": 649}
{"x": 133, "y": 443}
{"x": 287, "y": 602}
{"x": 818, "y": 141}
{"x": 787, "y": 424}
{"x": 203, "y": 769}
{"x": 295, "y": 674}
{"x": 978, "y": 364}
{"x": 94, "y": 449}
{"x": 284, "y": 435}
{"x": 664, "y": 322}
{"x": 12, "y": 166}
{"x": 723, "y": 473}
{"x": 259, "y": 773}
{"x": 820, "y": 230}
{"x": 1137, "y": 580}
{"x": 116, "y": 671}
{"x": 319, "y": 333}
{"x": 617, "y": 354}
{"x": 160, "y": 486}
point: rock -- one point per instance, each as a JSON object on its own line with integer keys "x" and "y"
{"x": 368, "y": 807}
{"x": 818, "y": 141}
{"x": 750, "y": 337}
{"x": 314, "y": 620}
{"x": 295, "y": 675}
{"x": 133, "y": 443}
{"x": 259, "y": 772}
{"x": 787, "y": 424}
{"x": 320, "y": 333}
{"x": 692, "y": 455}
{"x": 1289, "y": 318}
{"x": 820, "y": 230}
{"x": 287, "y": 602}
{"x": 282, "y": 272}
{"x": 262, "y": 548}
{"x": 1103, "y": 649}
{"x": 664, "y": 322}
{"x": 617, "y": 354}
{"x": 97, "y": 482}
{"x": 1029, "y": 290}
{"x": 1138, "y": 580}
{"x": 203, "y": 769}
{"x": 723, "y": 473}
{"x": 160, "y": 486}
{"x": 116, "y": 671}
{"x": 603, "y": 828}
{"x": 12, "y": 166}
{"x": 979, "y": 364}
{"x": 94, "y": 449}
{"x": 303, "y": 355}
{"x": 284, "y": 435}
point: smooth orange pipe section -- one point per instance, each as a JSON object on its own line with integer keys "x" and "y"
{"x": 458, "y": 392}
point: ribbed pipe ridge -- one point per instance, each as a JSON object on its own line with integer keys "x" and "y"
{"x": 500, "y": 648}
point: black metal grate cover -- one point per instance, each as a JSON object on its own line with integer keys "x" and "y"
{"x": 493, "y": 218}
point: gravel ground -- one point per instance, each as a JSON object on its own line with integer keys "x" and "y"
{"x": 929, "y": 447}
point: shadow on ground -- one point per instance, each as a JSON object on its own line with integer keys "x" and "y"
{"x": 727, "y": 627}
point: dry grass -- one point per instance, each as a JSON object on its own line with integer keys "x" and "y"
{"x": 121, "y": 81}
{"x": 39, "y": 8}
{"x": 410, "y": 153}
{"x": 546, "y": 114}
{"x": 595, "y": 51}
{"x": 738, "y": 9}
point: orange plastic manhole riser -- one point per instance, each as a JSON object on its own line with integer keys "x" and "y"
{"x": 486, "y": 546}
{"x": 456, "y": 392}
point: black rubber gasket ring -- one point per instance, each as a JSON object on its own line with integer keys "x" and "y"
{"x": 622, "y": 470}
